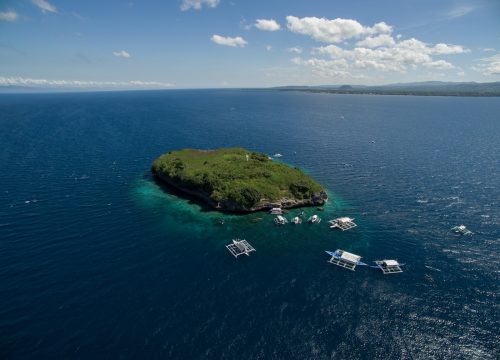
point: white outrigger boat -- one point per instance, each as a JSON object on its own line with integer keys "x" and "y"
{"x": 280, "y": 220}
{"x": 345, "y": 259}
{"x": 342, "y": 223}
{"x": 277, "y": 155}
{"x": 461, "y": 229}
{"x": 315, "y": 219}
{"x": 388, "y": 266}
{"x": 240, "y": 247}
{"x": 296, "y": 220}
{"x": 276, "y": 211}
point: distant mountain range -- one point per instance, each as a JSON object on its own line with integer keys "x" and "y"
{"x": 427, "y": 88}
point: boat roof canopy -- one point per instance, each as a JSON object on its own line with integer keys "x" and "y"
{"x": 240, "y": 245}
{"x": 391, "y": 263}
{"x": 350, "y": 257}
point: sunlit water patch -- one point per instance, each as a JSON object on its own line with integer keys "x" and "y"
{"x": 98, "y": 259}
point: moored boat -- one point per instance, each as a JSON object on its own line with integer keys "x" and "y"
{"x": 315, "y": 219}
{"x": 342, "y": 223}
{"x": 280, "y": 220}
{"x": 461, "y": 229}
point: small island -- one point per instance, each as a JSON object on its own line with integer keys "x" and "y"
{"x": 238, "y": 180}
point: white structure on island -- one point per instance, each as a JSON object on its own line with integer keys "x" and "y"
{"x": 315, "y": 219}
{"x": 461, "y": 229}
{"x": 345, "y": 259}
{"x": 240, "y": 247}
{"x": 276, "y": 211}
{"x": 280, "y": 220}
{"x": 389, "y": 266}
{"x": 296, "y": 220}
{"x": 343, "y": 223}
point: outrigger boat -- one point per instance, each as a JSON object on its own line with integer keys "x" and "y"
{"x": 315, "y": 219}
{"x": 461, "y": 229}
{"x": 296, "y": 220}
{"x": 388, "y": 266}
{"x": 240, "y": 247}
{"x": 342, "y": 223}
{"x": 345, "y": 259}
{"x": 280, "y": 220}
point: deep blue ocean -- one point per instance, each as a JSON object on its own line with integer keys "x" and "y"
{"x": 99, "y": 261}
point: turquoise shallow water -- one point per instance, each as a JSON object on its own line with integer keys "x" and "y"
{"x": 97, "y": 260}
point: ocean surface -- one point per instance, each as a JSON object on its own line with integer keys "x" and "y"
{"x": 99, "y": 261}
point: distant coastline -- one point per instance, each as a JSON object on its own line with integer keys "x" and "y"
{"x": 429, "y": 88}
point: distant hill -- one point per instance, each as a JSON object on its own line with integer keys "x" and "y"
{"x": 427, "y": 88}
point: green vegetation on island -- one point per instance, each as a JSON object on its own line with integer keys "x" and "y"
{"x": 235, "y": 179}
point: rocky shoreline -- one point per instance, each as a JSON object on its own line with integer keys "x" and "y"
{"x": 227, "y": 205}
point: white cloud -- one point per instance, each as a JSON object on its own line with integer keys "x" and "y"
{"x": 375, "y": 49}
{"x": 379, "y": 28}
{"x": 8, "y": 15}
{"x": 45, "y": 6}
{"x": 122, "y": 54}
{"x": 333, "y": 31}
{"x": 445, "y": 49}
{"x": 489, "y": 49}
{"x": 229, "y": 41}
{"x": 439, "y": 64}
{"x": 396, "y": 57}
{"x": 488, "y": 66}
{"x": 295, "y": 49}
{"x": 377, "y": 41}
{"x": 326, "y": 68}
{"x": 269, "y": 47}
{"x": 198, "y": 4}
{"x": 267, "y": 25}
{"x": 459, "y": 11}
{"x": 147, "y": 83}
{"x": 40, "y": 83}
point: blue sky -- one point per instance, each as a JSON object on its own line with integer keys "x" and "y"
{"x": 252, "y": 43}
